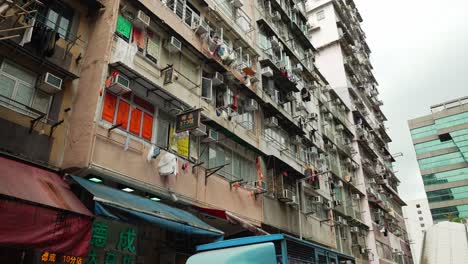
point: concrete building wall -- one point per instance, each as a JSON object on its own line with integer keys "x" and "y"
{"x": 418, "y": 220}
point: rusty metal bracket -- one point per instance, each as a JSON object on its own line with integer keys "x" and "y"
{"x": 54, "y": 126}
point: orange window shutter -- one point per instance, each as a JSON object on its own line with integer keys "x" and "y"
{"x": 108, "y": 111}
{"x": 147, "y": 126}
{"x": 122, "y": 114}
{"x": 135, "y": 121}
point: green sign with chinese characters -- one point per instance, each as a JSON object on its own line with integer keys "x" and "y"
{"x": 112, "y": 243}
{"x": 124, "y": 27}
{"x": 188, "y": 120}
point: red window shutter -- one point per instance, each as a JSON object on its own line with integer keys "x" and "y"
{"x": 147, "y": 126}
{"x": 108, "y": 111}
{"x": 122, "y": 114}
{"x": 135, "y": 121}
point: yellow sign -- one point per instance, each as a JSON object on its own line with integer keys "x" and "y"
{"x": 180, "y": 143}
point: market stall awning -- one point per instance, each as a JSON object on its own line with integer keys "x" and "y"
{"x": 233, "y": 219}
{"x": 40, "y": 211}
{"x": 127, "y": 207}
{"x": 258, "y": 253}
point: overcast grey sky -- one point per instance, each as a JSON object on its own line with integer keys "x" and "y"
{"x": 419, "y": 52}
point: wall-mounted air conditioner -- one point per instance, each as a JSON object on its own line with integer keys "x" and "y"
{"x": 276, "y": 16}
{"x": 300, "y": 106}
{"x": 340, "y": 127}
{"x": 49, "y": 83}
{"x": 297, "y": 69}
{"x": 201, "y": 27}
{"x": 237, "y": 3}
{"x": 339, "y": 220}
{"x": 354, "y": 229}
{"x": 329, "y": 117}
{"x": 212, "y": 136}
{"x": 296, "y": 140}
{"x": 200, "y": 131}
{"x": 142, "y": 19}
{"x": 274, "y": 42}
{"x": 119, "y": 85}
{"x": 327, "y": 205}
{"x": 218, "y": 79}
{"x": 251, "y": 105}
{"x": 267, "y": 72}
{"x": 286, "y": 196}
{"x": 271, "y": 122}
{"x": 356, "y": 196}
{"x": 174, "y": 45}
{"x": 317, "y": 199}
{"x": 313, "y": 116}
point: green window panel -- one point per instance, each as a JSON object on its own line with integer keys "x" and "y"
{"x": 448, "y": 194}
{"x": 453, "y": 120}
{"x": 440, "y": 161}
{"x": 423, "y": 131}
{"x": 432, "y": 145}
{"x": 446, "y": 176}
{"x": 451, "y": 211}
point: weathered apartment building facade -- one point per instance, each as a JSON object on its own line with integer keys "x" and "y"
{"x": 212, "y": 114}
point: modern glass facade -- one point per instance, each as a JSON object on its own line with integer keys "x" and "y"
{"x": 441, "y": 145}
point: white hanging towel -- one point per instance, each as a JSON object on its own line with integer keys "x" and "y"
{"x": 28, "y": 32}
{"x": 168, "y": 165}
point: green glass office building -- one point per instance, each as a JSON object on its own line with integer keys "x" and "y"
{"x": 441, "y": 144}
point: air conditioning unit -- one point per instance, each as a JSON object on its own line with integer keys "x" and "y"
{"x": 271, "y": 122}
{"x": 313, "y": 151}
{"x": 142, "y": 19}
{"x": 300, "y": 106}
{"x": 276, "y": 16}
{"x": 237, "y": 3}
{"x": 355, "y": 166}
{"x": 290, "y": 97}
{"x": 218, "y": 79}
{"x": 340, "y": 127}
{"x": 296, "y": 140}
{"x": 356, "y": 196}
{"x": 211, "y": 137}
{"x": 309, "y": 208}
{"x": 251, "y": 105}
{"x": 379, "y": 102}
{"x": 286, "y": 196}
{"x": 371, "y": 181}
{"x": 329, "y": 117}
{"x": 267, "y": 72}
{"x": 297, "y": 69}
{"x": 119, "y": 84}
{"x": 50, "y": 83}
{"x": 274, "y": 42}
{"x": 201, "y": 27}
{"x": 313, "y": 116}
{"x": 295, "y": 200}
{"x": 174, "y": 45}
{"x": 342, "y": 108}
{"x": 374, "y": 92}
{"x": 199, "y": 131}
{"x": 339, "y": 220}
{"x": 354, "y": 229}
{"x": 317, "y": 199}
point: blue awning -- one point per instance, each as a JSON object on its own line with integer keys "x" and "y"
{"x": 258, "y": 253}
{"x": 127, "y": 207}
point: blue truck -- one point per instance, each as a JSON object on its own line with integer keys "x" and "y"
{"x": 267, "y": 249}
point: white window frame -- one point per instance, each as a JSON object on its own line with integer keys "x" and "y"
{"x": 321, "y": 15}
{"x": 18, "y": 81}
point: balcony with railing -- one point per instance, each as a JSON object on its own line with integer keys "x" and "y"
{"x": 271, "y": 22}
{"x": 28, "y": 33}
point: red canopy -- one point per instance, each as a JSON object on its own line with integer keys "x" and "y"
{"x": 38, "y": 210}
